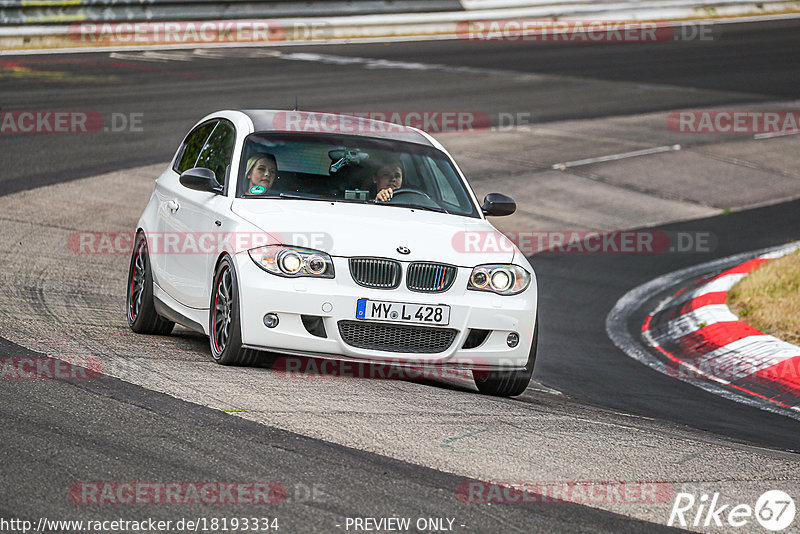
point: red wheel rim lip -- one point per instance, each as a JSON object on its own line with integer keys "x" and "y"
{"x": 214, "y": 317}
{"x": 131, "y": 315}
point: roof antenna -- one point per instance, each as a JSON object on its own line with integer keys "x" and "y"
{"x": 295, "y": 103}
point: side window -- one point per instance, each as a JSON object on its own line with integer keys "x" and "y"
{"x": 191, "y": 148}
{"x": 218, "y": 150}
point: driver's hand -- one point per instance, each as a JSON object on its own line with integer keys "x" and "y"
{"x": 385, "y": 195}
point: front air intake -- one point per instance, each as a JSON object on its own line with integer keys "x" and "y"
{"x": 396, "y": 338}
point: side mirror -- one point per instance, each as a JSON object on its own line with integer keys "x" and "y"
{"x": 498, "y": 204}
{"x": 201, "y": 179}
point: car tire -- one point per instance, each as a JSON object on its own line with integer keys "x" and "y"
{"x": 509, "y": 383}
{"x": 140, "y": 308}
{"x": 225, "y": 332}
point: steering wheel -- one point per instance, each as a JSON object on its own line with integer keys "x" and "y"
{"x": 410, "y": 192}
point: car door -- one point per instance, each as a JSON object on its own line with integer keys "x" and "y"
{"x": 193, "y": 217}
{"x": 166, "y": 191}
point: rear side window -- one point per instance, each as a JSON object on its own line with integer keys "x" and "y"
{"x": 193, "y": 145}
{"x": 218, "y": 150}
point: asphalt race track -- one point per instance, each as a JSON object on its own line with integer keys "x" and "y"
{"x": 139, "y": 435}
{"x": 749, "y": 63}
{"x": 385, "y": 448}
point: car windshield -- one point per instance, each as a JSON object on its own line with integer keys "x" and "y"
{"x": 344, "y": 168}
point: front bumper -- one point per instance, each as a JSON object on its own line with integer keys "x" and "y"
{"x": 334, "y": 300}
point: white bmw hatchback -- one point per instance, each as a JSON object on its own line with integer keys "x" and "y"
{"x": 327, "y": 236}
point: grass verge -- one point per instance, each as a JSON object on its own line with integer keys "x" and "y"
{"x": 769, "y": 298}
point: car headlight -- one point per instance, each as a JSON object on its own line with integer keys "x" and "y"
{"x": 292, "y": 261}
{"x": 500, "y": 279}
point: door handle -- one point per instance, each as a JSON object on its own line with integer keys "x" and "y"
{"x": 173, "y": 205}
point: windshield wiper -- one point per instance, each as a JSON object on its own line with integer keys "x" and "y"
{"x": 301, "y": 197}
{"x": 356, "y": 201}
{"x": 417, "y": 206}
{"x": 324, "y": 199}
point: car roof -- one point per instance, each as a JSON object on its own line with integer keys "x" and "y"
{"x": 270, "y": 120}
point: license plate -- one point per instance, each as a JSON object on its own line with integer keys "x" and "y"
{"x": 403, "y": 312}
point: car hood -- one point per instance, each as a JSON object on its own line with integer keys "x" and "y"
{"x": 350, "y": 230}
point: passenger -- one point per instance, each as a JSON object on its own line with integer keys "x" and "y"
{"x": 388, "y": 179}
{"x": 262, "y": 169}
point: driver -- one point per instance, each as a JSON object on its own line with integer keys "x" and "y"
{"x": 388, "y": 178}
{"x": 262, "y": 169}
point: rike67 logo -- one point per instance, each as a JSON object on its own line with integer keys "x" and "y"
{"x": 774, "y": 510}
